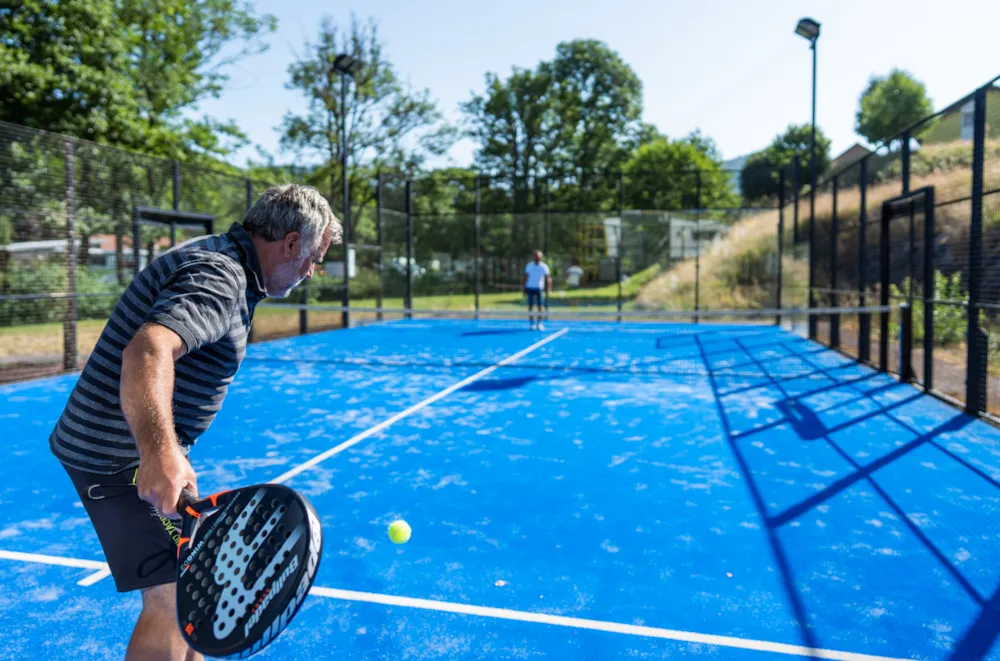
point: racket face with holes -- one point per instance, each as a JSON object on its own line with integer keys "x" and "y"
{"x": 246, "y": 561}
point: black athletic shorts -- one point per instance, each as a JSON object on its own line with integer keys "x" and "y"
{"x": 139, "y": 545}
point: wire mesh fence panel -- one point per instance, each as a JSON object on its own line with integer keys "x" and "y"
{"x": 445, "y": 256}
{"x": 846, "y": 267}
{"x": 737, "y": 260}
{"x": 990, "y": 290}
{"x": 38, "y": 215}
{"x": 905, "y": 237}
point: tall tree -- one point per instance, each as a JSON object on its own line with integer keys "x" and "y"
{"x": 890, "y": 104}
{"x": 682, "y": 174}
{"x": 598, "y": 99}
{"x": 65, "y": 70}
{"x": 389, "y": 125}
{"x": 759, "y": 177}
{"x": 514, "y": 123}
{"x": 124, "y": 72}
{"x": 179, "y": 54}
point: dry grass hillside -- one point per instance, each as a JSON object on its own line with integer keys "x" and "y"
{"x": 736, "y": 270}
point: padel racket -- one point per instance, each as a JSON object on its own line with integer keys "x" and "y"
{"x": 246, "y": 559}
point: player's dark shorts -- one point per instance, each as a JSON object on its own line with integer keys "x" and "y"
{"x": 139, "y": 545}
{"x": 534, "y": 295}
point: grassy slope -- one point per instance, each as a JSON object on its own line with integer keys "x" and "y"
{"x": 751, "y": 240}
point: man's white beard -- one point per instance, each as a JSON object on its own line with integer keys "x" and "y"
{"x": 280, "y": 276}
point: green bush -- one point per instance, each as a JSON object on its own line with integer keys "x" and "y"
{"x": 950, "y": 321}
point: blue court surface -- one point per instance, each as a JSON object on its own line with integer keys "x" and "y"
{"x": 590, "y": 491}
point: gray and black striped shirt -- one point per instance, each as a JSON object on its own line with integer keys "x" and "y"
{"x": 205, "y": 290}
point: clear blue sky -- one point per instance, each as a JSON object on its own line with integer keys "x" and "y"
{"x": 733, "y": 68}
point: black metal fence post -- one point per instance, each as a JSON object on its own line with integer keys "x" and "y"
{"x": 834, "y": 299}
{"x": 621, "y": 236}
{"x": 548, "y": 220}
{"x": 975, "y": 402}
{"x": 906, "y": 344}
{"x": 176, "y": 168}
{"x": 380, "y": 265}
{"x": 409, "y": 248}
{"x": 906, "y": 162}
{"x": 70, "y": 318}
{"x": 697, "y": 245}
{"x": 810, "y": 293}
{"x": 303, "y": 313}
{"x": 136, "y": 241}
{"x": 781, "y": 238}
{"x": 929, "y": 293}
{"x": 796, "y": 185}
{"x": 478, "y": 252}
{"x": 883, "y": 244}
{"x": 864, "y": 319}
{"x": 248, "y": 184}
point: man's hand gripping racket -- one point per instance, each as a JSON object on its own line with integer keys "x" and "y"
{"x": 246, "y": 559}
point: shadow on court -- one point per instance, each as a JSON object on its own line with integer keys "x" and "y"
{"x": 872, "y": 438}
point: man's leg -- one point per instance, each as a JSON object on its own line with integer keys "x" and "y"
{"x": 141, "y": 549}
{"x": 156, "y": 636}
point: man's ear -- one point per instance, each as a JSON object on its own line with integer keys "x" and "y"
{"x": 291, "y": 244}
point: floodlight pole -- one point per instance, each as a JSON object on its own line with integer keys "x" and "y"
{"x": 809, "y": 29}
{"x": 345, "y": 65}
{"x": 812, "y": 196}
{"x": 346, "y": 316}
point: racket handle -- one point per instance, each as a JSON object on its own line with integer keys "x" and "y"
{"x": 186, "y": 498}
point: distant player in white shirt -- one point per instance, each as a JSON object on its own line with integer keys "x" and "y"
{"x": 537, "y": 277}
{"x": 573, "y": 275}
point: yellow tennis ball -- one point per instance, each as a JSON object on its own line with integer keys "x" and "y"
{"x": 399, "y": 532}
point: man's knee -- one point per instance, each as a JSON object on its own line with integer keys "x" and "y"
{"x": 160, "y": 600}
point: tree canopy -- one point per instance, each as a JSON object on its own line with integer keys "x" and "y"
{"x": 890, "y": 104}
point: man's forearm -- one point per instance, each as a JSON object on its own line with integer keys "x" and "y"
{"x": 147, "y": 391}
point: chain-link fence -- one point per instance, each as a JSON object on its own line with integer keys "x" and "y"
{"x": 917, "y": 221}
{"x": 77, "y": 220}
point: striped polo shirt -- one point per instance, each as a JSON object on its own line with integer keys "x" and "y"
{"x": 205, "y": 290}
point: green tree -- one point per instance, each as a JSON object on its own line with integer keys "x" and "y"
{"x": 125, "y": 72}
{"x": 682, "y": 174}
{"x": 389, "y": 126}
{"x": 179, "y": 54}
{"x": 571, "y": 121}
{"x": 598, "y": 103}
{"x": 65, "y": 69}
{"x": 759, "y": 177}
{"x": 513, "y": 123}
{"x": 890, "y": 104}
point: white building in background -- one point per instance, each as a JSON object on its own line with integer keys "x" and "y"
{"x": 691, "y": 238}
{"x": 101, "y": 254}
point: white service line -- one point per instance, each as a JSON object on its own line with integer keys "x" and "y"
{"x": 505, "y": 614}
{"x": 284, "y": 477}
{"x": 596, "y": 625}
{"x": 102, "y": 567}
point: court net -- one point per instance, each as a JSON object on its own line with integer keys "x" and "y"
{"x": 773, "y": 343}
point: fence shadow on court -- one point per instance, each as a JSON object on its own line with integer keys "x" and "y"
{"x": 798, "y": 407}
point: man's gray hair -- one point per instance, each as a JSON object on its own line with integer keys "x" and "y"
{"x": 292, "y": 208}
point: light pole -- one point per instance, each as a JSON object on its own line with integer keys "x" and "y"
{"x": 808, "y": 29}
{"x": 345, "y": 65}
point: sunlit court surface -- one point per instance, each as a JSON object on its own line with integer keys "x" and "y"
{"x": 594, "y": 490}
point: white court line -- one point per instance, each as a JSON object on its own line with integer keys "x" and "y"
{"x": 284, "y": 477}
{"x": 596, "y": 625}
{"x": 103, "y": 570}
{"x": 506, "y": 614}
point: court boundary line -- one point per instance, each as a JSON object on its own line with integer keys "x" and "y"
{"x": 605, "y": 626}
{"x": 596, "y": 625}
{"x": 371, "y": 431}
{"x": 103, "y": 570}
